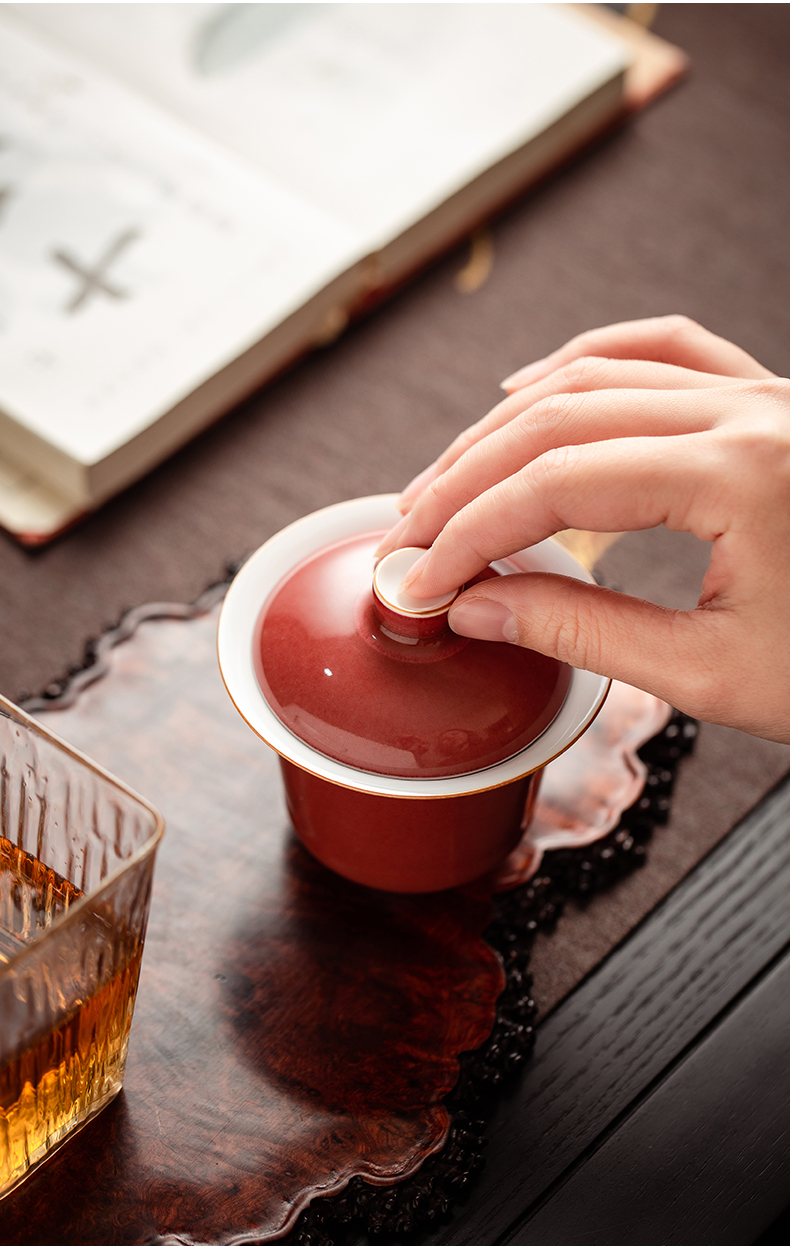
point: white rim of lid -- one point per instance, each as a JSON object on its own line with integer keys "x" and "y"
{"x": 386, "y": 585}
{"x": 262, "y": 574}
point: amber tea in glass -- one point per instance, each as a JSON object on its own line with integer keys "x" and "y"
{"x": 76, "y": 858}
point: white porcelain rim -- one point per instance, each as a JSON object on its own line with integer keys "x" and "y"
{"x": 273, "y": 560}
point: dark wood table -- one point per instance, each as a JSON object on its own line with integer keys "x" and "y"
{"x": 657, "y": 1103}
{"x": 656, "y": 1108}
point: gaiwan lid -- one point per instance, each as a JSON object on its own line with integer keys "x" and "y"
{"x": 376, "y": 680}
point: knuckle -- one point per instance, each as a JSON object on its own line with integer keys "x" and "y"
{"x": 551, "y": 413}
{"x": 680, "y": 327}
{"x": 773, "y": 392}
{"x": 578, "y": 636}
{"x": 760, "y": 441}
{"x": 550, "y": 478}
{"x": 548, "y": 470}
{"x": 584, "y": 372}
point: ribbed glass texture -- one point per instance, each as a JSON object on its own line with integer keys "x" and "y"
{"x": 77, "y": 853}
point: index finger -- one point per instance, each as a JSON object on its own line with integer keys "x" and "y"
{"x": 610, "y": 486}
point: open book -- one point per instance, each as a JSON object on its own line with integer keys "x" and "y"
{"x": 192, "y": 195}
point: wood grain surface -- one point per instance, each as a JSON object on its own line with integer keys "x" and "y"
{"x": 621, "y": 1029}
{"x": 292, "y": 1029}
{"x": 703, "y": 1160}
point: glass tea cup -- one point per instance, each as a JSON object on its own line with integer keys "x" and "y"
{"x": 77, "y": 852}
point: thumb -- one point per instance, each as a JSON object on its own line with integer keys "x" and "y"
{"x": 589, "y": 627}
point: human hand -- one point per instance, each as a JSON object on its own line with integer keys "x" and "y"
{"x": 624, "y": 428}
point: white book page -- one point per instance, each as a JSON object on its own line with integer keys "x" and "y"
{"x": 136, "y": 259}
{"x": 375, "y": 112}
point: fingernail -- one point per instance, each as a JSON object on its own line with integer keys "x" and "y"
{"x": 524, "y": 376}
{"x": 414, "y": 488}
{"x": 483, "y": 619}
{"x": 413, "y": 574}
{"x": 391, "y": 539}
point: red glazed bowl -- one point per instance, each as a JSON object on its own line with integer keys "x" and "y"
{"x": 413, "y": 834}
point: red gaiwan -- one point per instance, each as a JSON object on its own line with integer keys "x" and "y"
{"x": 410, "y": 755}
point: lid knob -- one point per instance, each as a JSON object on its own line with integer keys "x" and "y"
{"x": 400, "y": 613}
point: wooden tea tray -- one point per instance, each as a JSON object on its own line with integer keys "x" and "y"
{"x": 293, "y": 1031}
